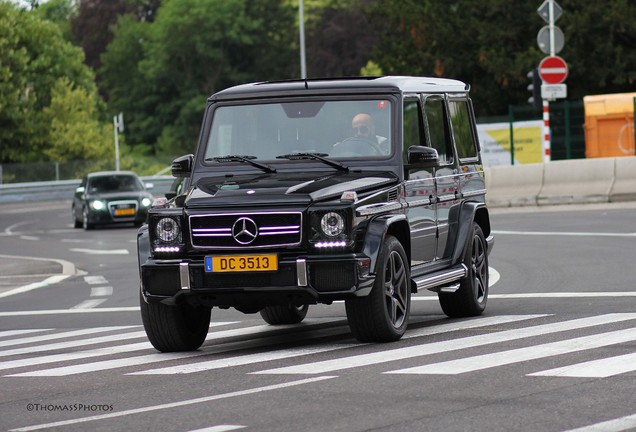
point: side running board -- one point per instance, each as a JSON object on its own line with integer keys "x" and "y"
{"x": 442, "y": 281}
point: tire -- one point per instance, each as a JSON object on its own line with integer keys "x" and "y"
{"x": 383, "y": 315}
{"x": 284, "y": 314}
{"x": 76, "y": 222}
{"x": 85, "y": 224}
{"x": 471, "y": 297}
{"x": 175, "y": 328}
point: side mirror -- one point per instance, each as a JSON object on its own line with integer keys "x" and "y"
{"x": 80, "y": 189}
{"x": 423, "y": 156}
{"x": 182, "y": 166}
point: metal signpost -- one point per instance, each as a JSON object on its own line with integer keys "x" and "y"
{"x": 118, "y": 123}
{"x": 553, "y": 70}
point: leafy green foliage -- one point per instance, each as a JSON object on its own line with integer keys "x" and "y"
{"x": 75, "y": 133}
{"x": 33, "y": 57}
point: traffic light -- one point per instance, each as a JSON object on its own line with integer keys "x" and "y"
{"x": 535, "y": 90}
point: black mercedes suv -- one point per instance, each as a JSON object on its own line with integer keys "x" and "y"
{"x": 310, "y": 191}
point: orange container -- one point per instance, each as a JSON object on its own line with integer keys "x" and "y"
{"x": 609, "y": 125}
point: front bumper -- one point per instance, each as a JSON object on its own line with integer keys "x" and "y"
{"x": 312, "y": 279}
{"x": 106, "y": 217}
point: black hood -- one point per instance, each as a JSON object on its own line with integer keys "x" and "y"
{"x": 282, "y": 188}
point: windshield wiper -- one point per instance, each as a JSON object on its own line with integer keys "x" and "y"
{"x": 245, "y": 159}
{"x": 315, "y": 156}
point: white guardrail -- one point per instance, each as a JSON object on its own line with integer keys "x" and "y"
{"x": 574, "y": 181}
{"x": 64, "y": 189}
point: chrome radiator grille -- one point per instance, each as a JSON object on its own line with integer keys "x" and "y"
{"x": 245, "y": 230}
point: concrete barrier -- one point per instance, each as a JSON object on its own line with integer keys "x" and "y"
{"x": 512, "y": 186}
{"x": 624, "y": 187}
{"x": 577, "y": 181}
{"x": 63, "y": 190}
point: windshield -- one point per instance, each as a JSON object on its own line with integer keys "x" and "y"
{"x": 335, "y": 129}
{"x": 114, "y": 183}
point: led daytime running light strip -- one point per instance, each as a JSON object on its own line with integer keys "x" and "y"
{"x": 329, "y": 244}
{"x": 167, "y": 249}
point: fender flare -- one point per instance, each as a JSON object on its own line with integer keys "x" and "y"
{"x": 469, "y": 212}
{"x": 376, "y": 232}
{"x": 143, "y": 251}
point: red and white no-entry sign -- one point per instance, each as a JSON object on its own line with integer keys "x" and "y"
{"x": 553, "y": 70}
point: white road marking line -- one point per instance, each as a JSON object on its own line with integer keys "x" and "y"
{"x": 9, "y": 333}
{"x": 241, "y": 360}
{"x": 219, "y": 428}
{"x": 430, "y": 297}
{"x": 89, "y": 304}
{"x": 174, "y": 404}
{"x": 158, "y": 357}
{"x": 89, "y": 341}
{"x": 447, "y": 346}
{"x": 101, "y": 251}
{"x": 569, "y": 234}
{"x": 69, "y": 311}
{"x": 101, "y": 291}
{"x": 95, "y": 280}
{"x": 48, "y": 281}
{"x": 487, "y": 361}
{"x": 32, "y": 238}
{"x": 68, "y": 334}
{"x": 72, "y": 344}
{"x": 601, "y": 368}
{"x": 616, "y": 425}
{"x": 295, "y": 352}
{"x": 33, "y": 361}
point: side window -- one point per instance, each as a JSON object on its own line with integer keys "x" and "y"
{"x": 462, "y": 130}
{"x": 438, "y": 128}
{"x": 412, "y": 135}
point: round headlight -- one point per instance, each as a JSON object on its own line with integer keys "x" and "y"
{"x": 167, "y": 230}
{"x": 146, "y": 202}
{"x": 332, "y": 224}
{"x": 98, "y": 205}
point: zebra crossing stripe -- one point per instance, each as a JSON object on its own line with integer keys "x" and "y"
{"x": 83, "y": 332}
{"x": 446, "y": 346}
{"x": 9, "y": 333}
{"x": 156, "y": 357}
{"x": 487, "y": 361}
{"x": 72, "y": 343}
{"x": 616, "y": 425}
{"x": 33, "y": 361}
{"x": 601, "y": 368}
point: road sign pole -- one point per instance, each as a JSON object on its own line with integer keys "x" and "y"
{"x": 551, "y": 24}
{"x": 546, "y": 131}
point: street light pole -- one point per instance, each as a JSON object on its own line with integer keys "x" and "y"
{"x": 301, "y": 24}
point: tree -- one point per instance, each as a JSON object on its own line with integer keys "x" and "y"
{"x": 492, "y": 45}
{"x": 75, "y": 132}
{"x": 340, "y": 42}
{"x": 59, "y": 12}
{"x": 33, "y": 56}
{"x": 193, "y": 49}
{"x": 93, "y": 24}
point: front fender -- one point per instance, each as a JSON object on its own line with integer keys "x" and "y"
{"x": 143, "y": 246}
{"x": 469, "y": 212}
{"x": 378, "y": 229}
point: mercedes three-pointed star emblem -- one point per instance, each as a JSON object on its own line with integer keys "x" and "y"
{"x": 244, "y": 230}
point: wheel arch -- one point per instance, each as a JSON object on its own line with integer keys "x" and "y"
{"x": 379, "y": 228}
{"x": 470, "y": 212}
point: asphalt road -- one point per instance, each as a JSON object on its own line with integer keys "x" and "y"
{"x": 555, "y": 350}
